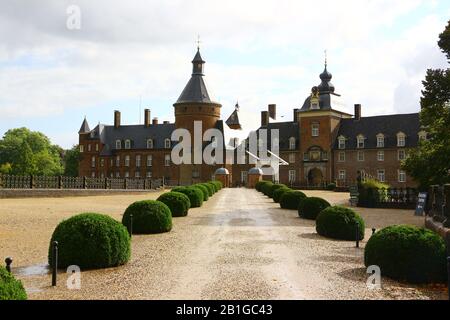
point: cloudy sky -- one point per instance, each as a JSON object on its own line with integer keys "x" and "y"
{"x": 133, "y": 53}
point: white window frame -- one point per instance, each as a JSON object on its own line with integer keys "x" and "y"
{"x": 81, "y": 148}
{"x": 127, "y": 174}
{"x": 127, "y": 161}
{"x": 341, "y": 156}
{"x": 149, "y": 160}
{"x": 360, "y": 142}
{"x": 149, "y": 174}
{"x": 381, "y": 175}
{"x": 342, "y": 175}
{"x": 401, "y": 139}
{"x": 149, "y": 143}
{"x": 358, "y": 156}
{"x": 380, "y": 141}
{"x": 315, "y": 129}
{"x": 401, "y": 176}
{"x": 102, "y": 162}
{"x": 401, "y": 151}
{"x": 96, "y": 147}
{"x": 380, "y": 155}
{"x": 291, "y": 157}
{"x": 341, "y": 143}
{"x": 138, "y": 161}
{"x": 167, "y": 143}
{"x": 292, "y": 176}
{"x": 128, "y": 144}
{"x": 93, "y": 162}
{"x": 118, "y": 144}
{"x": 292, "y": 143}
{"x": 167, "y": 161}
{"x": 137, "y": 174}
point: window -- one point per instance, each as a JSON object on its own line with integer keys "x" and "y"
{"x": 380, "y": 155}
{"x": 167, "y": 143}
{"x": 96, "y": 147}
{"x": 117, "y": 174}
{"x": 93, "y": 174}
{"x": 195, "y": 173}
{"x": 149, "y": 143}
{"x": 89, "y": 147}
{"x": 117, "y": 161}
{"x": 422, "y": 135}
{"x": 81, "y": 148}
{"x": 149, "y": 160}
{"x": 341, "y": 157}
{"x": 127, "y": 174}
{"x": 102, "y": 162}
{"x": 342, "y": 174}
{"x": 292, "y": 158}
{"x": 380, "y": 141}
{"x": 291, "y": 176}
{"x": 324, "y": 155}
{"x": 118, "y": 144}
{"x": 360, "y": 141}
{"x": 167, "y": 160}
{"x": 401, "y": 176}
{"x": 315, "y": 130}
{"x": 138, "y": 161}
{"x": 292, "y": 143}
{"x": 360, "y": 156}
{"x": 314, "y": 105}
{"x": 127, "y": 144}
{"x": 341, "y": 143}
{"x": 137, "y": 174}
{"x": 401, "y": 154}
{"x": 306, "y": 156}
{"x": 401, "y": 139}
{"x": 244, "y": 176}
{"x": 149, "y": 174}
{"x": 93, "y": 162}
{"x": 381, "y": 176}
{"x": 127, "y": 161}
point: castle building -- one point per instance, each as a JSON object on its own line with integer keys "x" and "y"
{"x": 320, "y": 145}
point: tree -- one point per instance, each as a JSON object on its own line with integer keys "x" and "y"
{"x": 430, "y": 163}
{"x": 29, "y": 152}
{"x": 71, "y": 160}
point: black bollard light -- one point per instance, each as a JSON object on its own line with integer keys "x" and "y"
{"x": 55, "y": 262}
{"x": 373, "y": 231}
{"x": 131, "y": 225}
{"x": 8, "y": 262}
{"x": 357, "y": 235}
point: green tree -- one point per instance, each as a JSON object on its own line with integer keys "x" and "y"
{"x": 430, "y": 163}
{"x": 30, "y": 152}
{"x": 71, "y": 160}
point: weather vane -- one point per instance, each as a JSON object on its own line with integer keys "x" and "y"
{"x": 326, "y": 58}
{"x": 198, "y": 42}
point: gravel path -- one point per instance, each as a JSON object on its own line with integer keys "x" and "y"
{"x": 239, "y": 245}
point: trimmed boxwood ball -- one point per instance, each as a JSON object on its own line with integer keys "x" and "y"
{"x": 259, "y": 185}
{"x": 275, "y": 187}
{"x": 218, "y": 184}
{"x": 91, "y": 241}
{"x": 10, "y": 287}
{"x": 311, "y": 207}
{"x": 213, "y": 186}
{"x": 204, "y": 191}
{"x": 339, "y": 223}
{"x": 331, "y": 186}
{"x": 194, "y": 194}
{"x": 149, "y": 216}
{"x": 177, "y": 202}
{"x": 408, "y": 253}
{"x": 266, "y": 188}
{"x": 279, "y": 192}
{"x": 291, "y": 199}
{"x": 209, "y": 188}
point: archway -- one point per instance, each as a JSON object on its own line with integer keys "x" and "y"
{"x": 315, "y": 177}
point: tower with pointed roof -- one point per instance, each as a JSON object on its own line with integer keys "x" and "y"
{"x": 195, "y": 104}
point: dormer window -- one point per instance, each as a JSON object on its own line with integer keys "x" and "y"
{"x": 128, "y": 144}
{"x": 360, "y": 141}
{"x": 118, "y": 144}
{"x": 149, "y": 143}
{"x": 292, "y": 143}
{"x": 341, "y": 141}
{"x": 401, "y": 139}
{"x": 167, "y": 143}
{"x": 380, "y": 140}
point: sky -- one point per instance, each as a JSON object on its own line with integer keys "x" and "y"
{"x": 136, "y": 54}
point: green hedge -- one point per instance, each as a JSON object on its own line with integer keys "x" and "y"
{"x": 90, "y": 241}
{"x": 210, "y": 188}
{"x": 266, "y": 188}
{"x": 339, "y": 223}
{"x": 194, "y": 194}
{"x": 149, "y": 216}
{"x": 275, "y": 187}
{"x": 177, "y": 202}
{"x": 213, "y": 186}
{"x": 10, "y": 287}
{"x": 218, "y": 184}
{"x": 278, "y": 193}
{"x": 331, "y": 186}
{"x": 311, "y": 207}
{"x": 408, "y": 253}
{"x": 291, "y": 199}
{"x": 259, "y": 185}
{"x": 204, "y": 190}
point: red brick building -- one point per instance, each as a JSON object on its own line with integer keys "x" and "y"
{"x": 320, "y": 145}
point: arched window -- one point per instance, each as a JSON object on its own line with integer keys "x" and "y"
{"x": 292, "y": 143}
{"x": 118, "y": 144}
{"x": 401, "y": 139}
{"x": 341, "y": 140}
{"x": 127, "y": 144}
{"x": 380, "y": 140}
{"x": 360, "y": 141}
{"x": 149, "y": 143}
{"x": 167, "y": 143}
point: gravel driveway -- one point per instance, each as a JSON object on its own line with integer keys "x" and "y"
{"x": 239, "y": 245}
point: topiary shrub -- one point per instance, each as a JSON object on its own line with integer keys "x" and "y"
{"x": 266, "y": 188}
{"x": 291, "y": 199}
{"x": 339, "y": 223}
{"x": 194, "y": 194}
{"x": 331, "y": 186}
{"x": 90, "y": 241}
{"x": 408, "y": 253}
{"x": 149, "y": 216}
{"x": 177, "y": 202}
{"x": 311, "y": 207}
{"x": 10, "y": 287}
{"x": 279, "y": 192}
{"x": 204, "y": 191}
{"x": 218, "y": 184}
{"x": 213, "y": 186}
{"x": 275, "y": 187}
{"x": 259, "y": 184}
{"x": 209, "y": 188}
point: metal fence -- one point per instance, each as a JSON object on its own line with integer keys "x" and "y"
{"x": 438, "y": 204}
{"x": 397, "y": 198}
{"x": 60, "y": 182}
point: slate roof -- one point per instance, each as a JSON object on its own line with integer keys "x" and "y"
{"x": 388, "y": 125}
{"x": 286, "y": 131}
{"x": 84, "y": 127}
{"x": 233, "y": 119}
{"x": 195, "y": 91}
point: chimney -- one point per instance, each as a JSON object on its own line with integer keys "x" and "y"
{"x": 147, "y": 117}
{"x": 264, "y": 118}
{"x": 357, "y": 112}
{"x": 155, "y": 121}
{"x": 166, "y": 122}
{"x": 116, "y": 119}
{"x": 295, "y": 119}
{"x": 273, "y": 111}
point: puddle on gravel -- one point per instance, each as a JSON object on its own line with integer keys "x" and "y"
{"x": 36, "y": 270}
